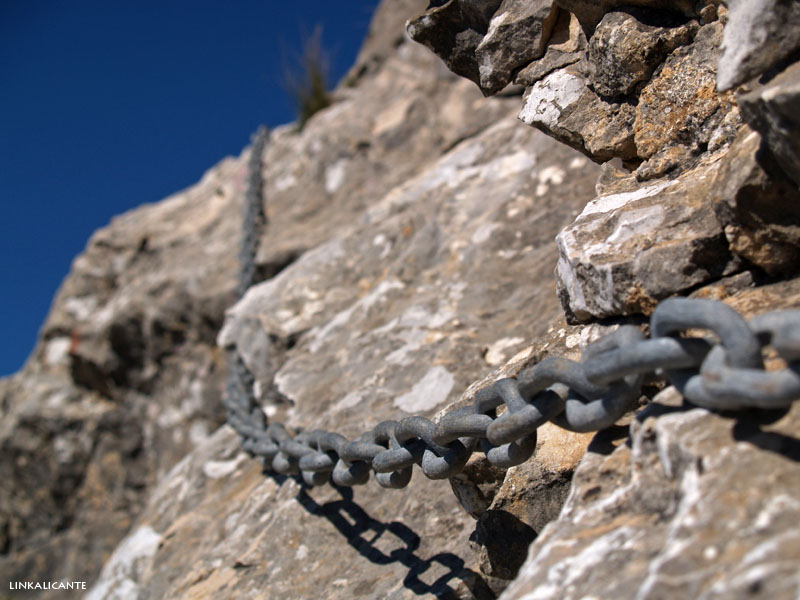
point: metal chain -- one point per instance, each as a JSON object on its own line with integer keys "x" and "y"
{"x": 239, "y": 389}
{"x": 721, "y": 373}
{"x": 255, "y": 218}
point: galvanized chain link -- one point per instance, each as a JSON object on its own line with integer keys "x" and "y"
{"x": 722, "y": 373}
{"x": 239, "y": 397}
{"x": 255, "y": 218}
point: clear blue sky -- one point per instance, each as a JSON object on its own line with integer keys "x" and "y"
{"x": 108, "y": 105}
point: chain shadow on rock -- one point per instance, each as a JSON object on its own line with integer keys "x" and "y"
{"x": 748, "y": 426}
{"x": 356, "y": 525}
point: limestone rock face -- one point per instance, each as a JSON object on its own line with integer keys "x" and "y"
{"x": 396, "y": 313}
{"x": 125, "y": 379}
{"x": 693, "y": 503}
{"x": 422, "y": 243}
{"x": 638, "y": 84}
{"x": 406, "y": 276}
{"x": 690, "y": 201}
{"x": 625, "y": 50}
{"x": 410, "y": 224}
{"x": 628, "y": 250}
{"x": 384, "y": 35}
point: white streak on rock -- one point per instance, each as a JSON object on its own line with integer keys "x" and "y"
{"x": 611, "y": 202}
{"x": 80, "y": 308}
{"x": 217, "y": 469}
{"x": 547, "y": 99}
{"x": 428, "y": 392}
{"x": 349, "y": 401}
{"x": 57, "y": 350}
{"x": 118, "y": 580}
{"x": 496, "y": 354}
{"x": 335, "y": 175}
{"x": 365, "y": 303}
{"x": 285, "y": 181}
{"x": 484, "y": 232}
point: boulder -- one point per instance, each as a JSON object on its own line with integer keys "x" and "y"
{"x": 760, "y": 206}
{"x": 772, "y": 110}
{"x": 453, "y": 29}
{"x": 565, "y": 47}
{"x": 680, "y": 107}
{"x": 628, "y": 250}
{"x": 527, "y": 26}
{"x": 760, "y": 34}
{"x": 625, "y": 50}
{"x": 564, "y": 106}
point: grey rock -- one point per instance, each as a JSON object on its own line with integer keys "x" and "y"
{"x": 634, "y": 245}
{"x": 386, "y": 33}
{"x": 216, "y": 526}
{"x": 453, "y": 30}
{"x": 407, "y": 283}
{"x": 628, "y": 250}
{"x": 625, "y": 51}
{"x": 680, "y": 105}
{"x": 630, "y": 80}
{"x": 759, "y": 35}
{"x": 517, "y": 35}
{"x": 127, "y": 377}
{"x": 515, "y": 518}
{"x": 377, "y": 135}
{"x": 760, "y": 206}
{"x": 124, "y": 381}
{"x": 512, "y": 507}
{"x": 487, "y": 42}
{"x": 400, "y": 276}
{"x": 407, "y": 263}
{"x": 774, "y": 111}
{"x": 565, "y": 47}
{"x": 395, "y": 313}
{"x": 590, "y": 12}
{"x": 690, "y": 504}
{"x": 564, "y": 106}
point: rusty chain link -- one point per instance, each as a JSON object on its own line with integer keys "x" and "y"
{"x": 723, "y": 372}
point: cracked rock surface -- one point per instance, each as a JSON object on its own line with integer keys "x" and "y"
{"x": 691, "y": 503}
{"x": 388, "y": 291}
{"x": 421, "y": 244}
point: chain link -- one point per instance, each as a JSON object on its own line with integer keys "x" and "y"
{"x": 722, "y": 372}
{"x": 243, "y": 412}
